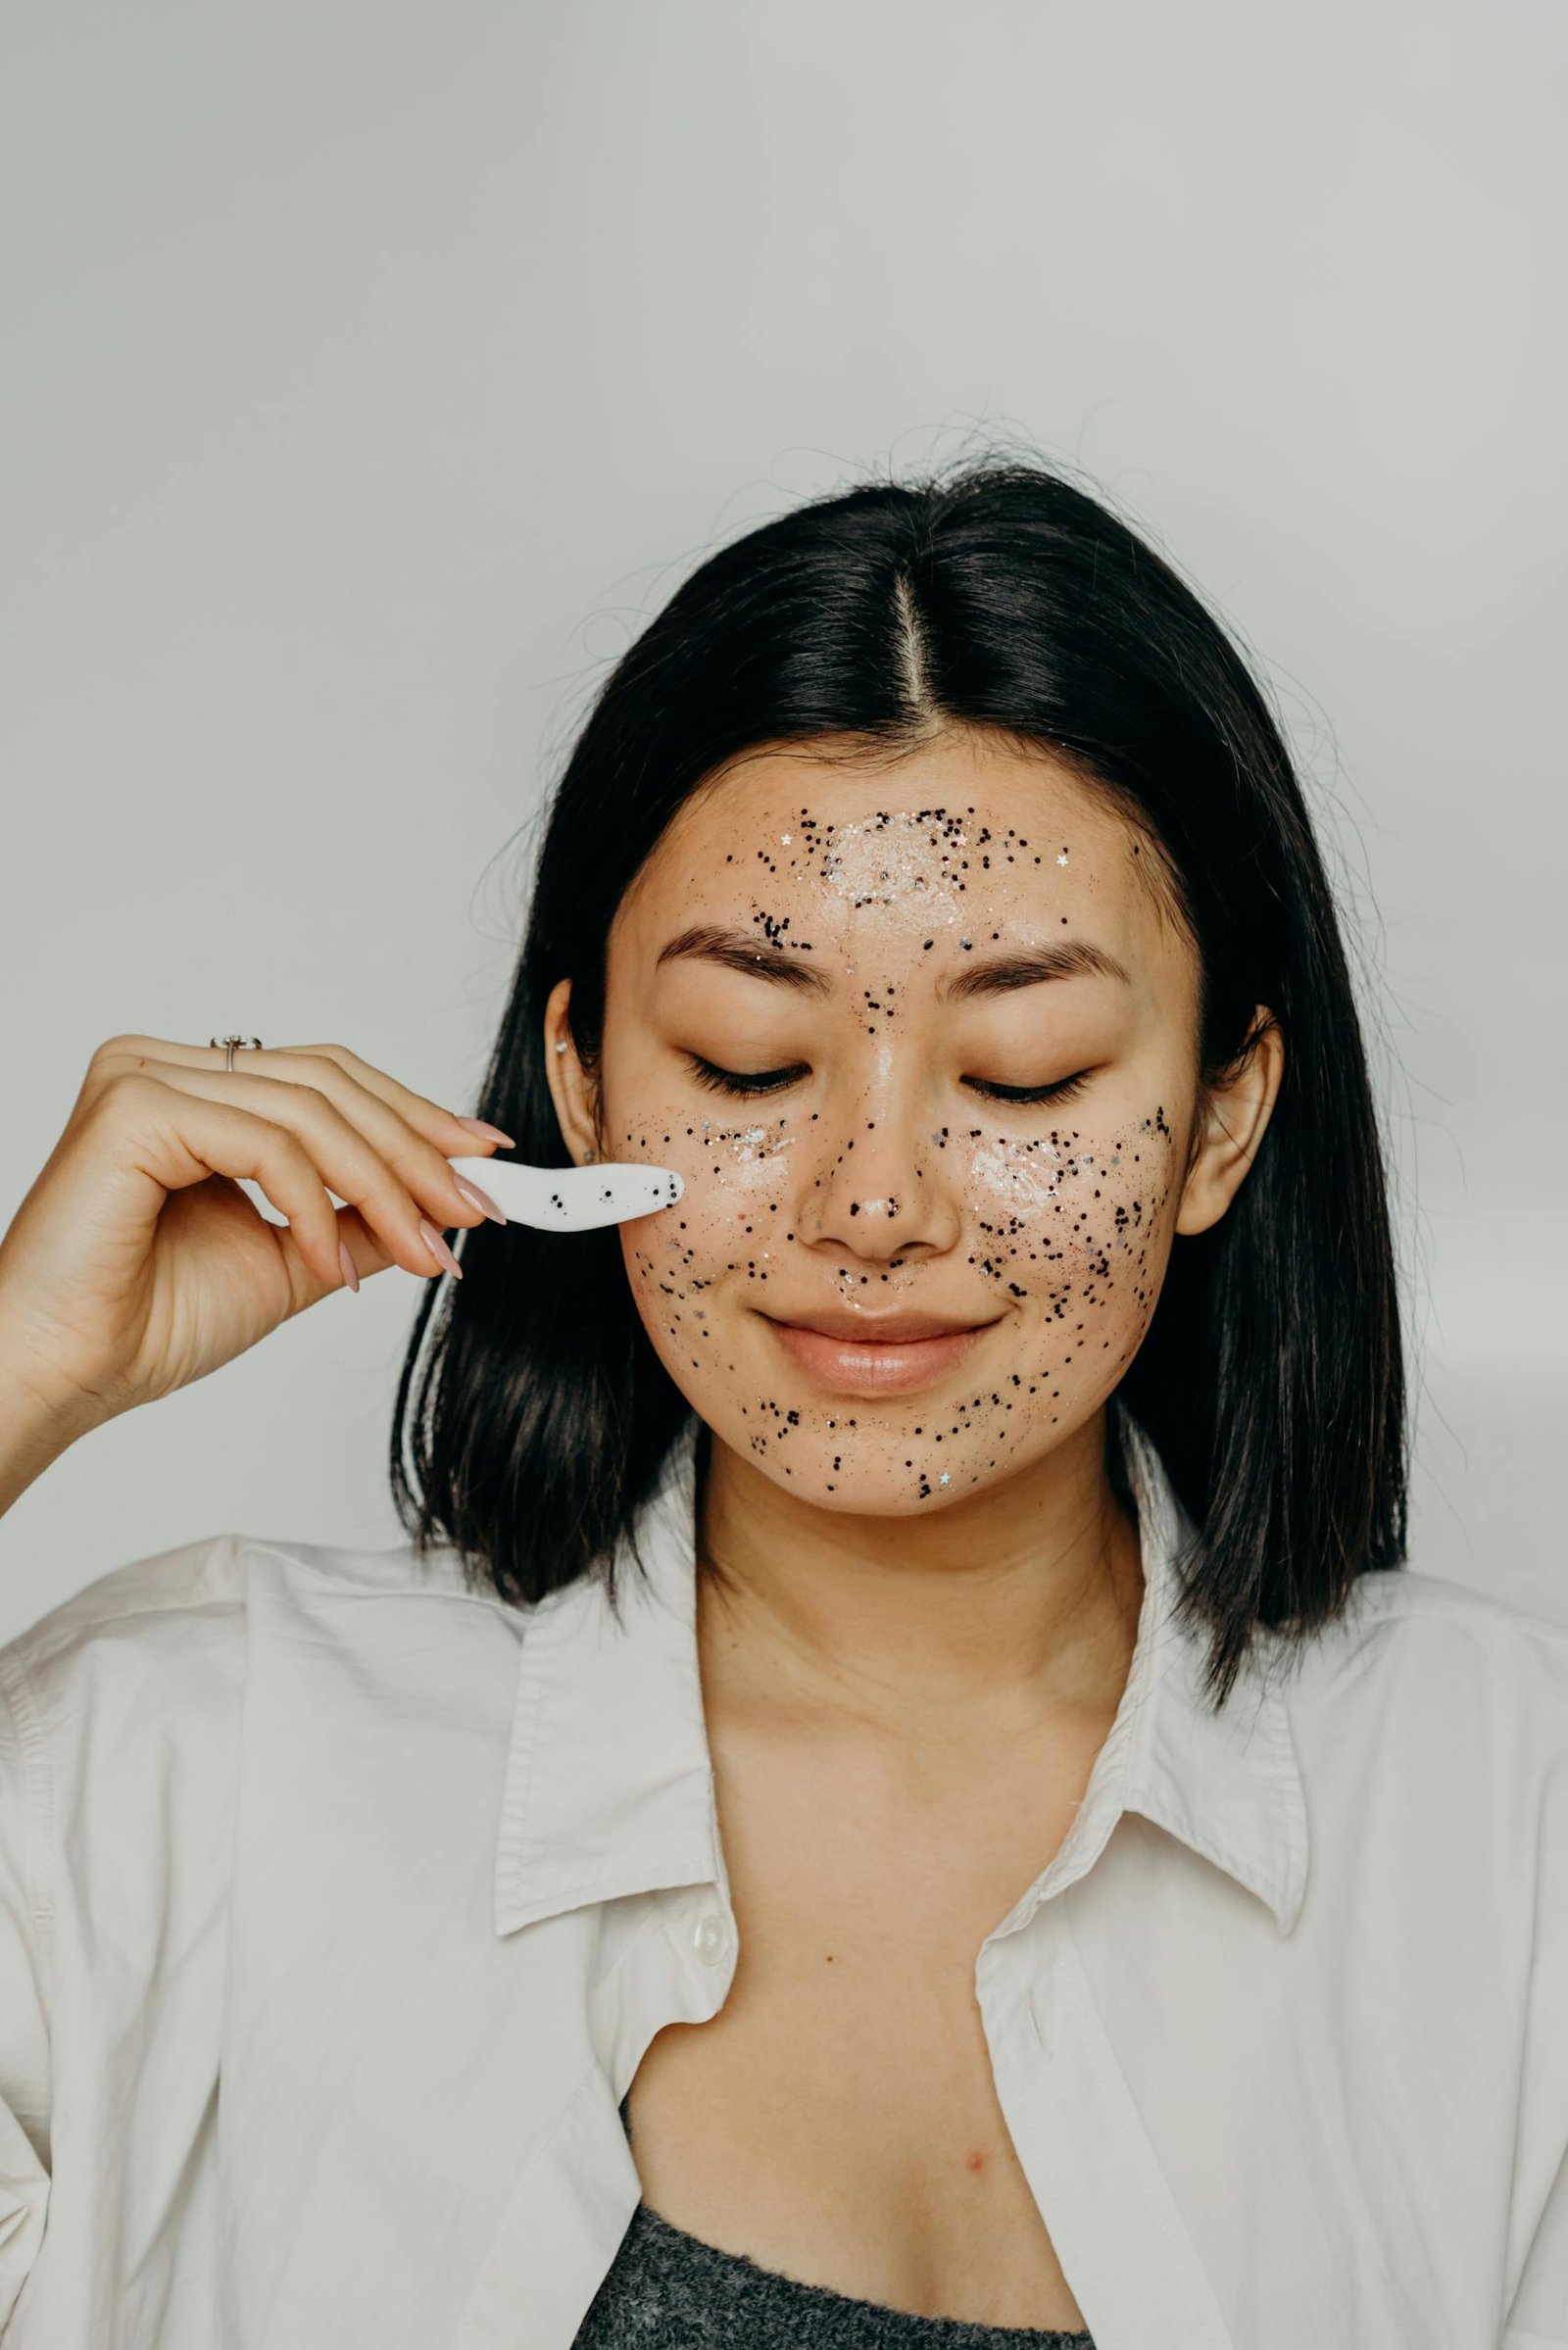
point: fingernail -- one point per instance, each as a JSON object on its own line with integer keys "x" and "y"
{"x": 438, "y": 1247}
{"x": 351, "y": 1278}
{"x": 478, "y": 1198}
{"x": 487, "y": 1131}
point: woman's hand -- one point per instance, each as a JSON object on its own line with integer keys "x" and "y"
{"x": 136, "y": 1264}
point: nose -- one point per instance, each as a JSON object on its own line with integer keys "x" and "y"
{"x": 879, "y": 1185}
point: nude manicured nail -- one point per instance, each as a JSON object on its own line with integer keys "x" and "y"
{"x": 487, "y": 1133}
{"x": 438, "y": 1247}
{"x": 478, "y": 1198}
{"x": 351, "y": 1278}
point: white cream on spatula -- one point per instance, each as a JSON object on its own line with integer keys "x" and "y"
{"x": 573, "y": 1199}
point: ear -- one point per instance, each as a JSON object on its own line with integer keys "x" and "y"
{"x": 1236, "y": 1115}
{"x": 570, "y": 1088}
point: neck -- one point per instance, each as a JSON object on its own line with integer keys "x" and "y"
{"x": 1000, "y": 1613}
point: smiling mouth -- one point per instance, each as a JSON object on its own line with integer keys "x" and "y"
{"x": 890, "y": 1360}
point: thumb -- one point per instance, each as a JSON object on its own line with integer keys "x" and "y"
{"x": 359, "y": 1247}
{"x": 360, "y": 1252}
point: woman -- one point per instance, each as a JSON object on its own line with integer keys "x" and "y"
{"x": 899, "y": 1792}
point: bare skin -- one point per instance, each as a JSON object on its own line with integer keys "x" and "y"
{"x": 931, "y": 1594}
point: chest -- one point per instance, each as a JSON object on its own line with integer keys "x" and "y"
{"x": 838, "y": 2118}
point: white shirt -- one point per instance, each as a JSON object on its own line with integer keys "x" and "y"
{"x": 338, "y": 1904}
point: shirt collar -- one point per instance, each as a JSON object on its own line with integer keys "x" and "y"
{"x": 609, "y": 1782}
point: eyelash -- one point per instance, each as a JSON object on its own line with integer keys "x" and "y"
{"x": 773, "y": 1081}
{"x": 738, "y": 1081}
{"x": 1026, "y": 1094}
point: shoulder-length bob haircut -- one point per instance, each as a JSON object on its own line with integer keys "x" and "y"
{"x": 999, "y": 596}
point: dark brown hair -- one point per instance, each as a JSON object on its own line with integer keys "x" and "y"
{"x": 1271, "y": 1378}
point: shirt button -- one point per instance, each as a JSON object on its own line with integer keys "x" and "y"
{"x": 710, "y": 1938}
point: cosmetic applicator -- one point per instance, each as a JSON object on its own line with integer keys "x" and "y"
{"x": 573, "y": 1199}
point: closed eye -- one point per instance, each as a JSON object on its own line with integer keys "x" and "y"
{"x": 1062, "y": 1091}
{"x": 744, "y": 1081}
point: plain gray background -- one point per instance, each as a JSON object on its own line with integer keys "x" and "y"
{"x": 372, "y": 373}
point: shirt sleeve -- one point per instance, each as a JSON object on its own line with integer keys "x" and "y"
{"x": 25, "y": 1780}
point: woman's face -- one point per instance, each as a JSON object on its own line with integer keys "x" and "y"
{"x": 923, "y": 1048}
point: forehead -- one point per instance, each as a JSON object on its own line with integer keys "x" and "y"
{"x": 964, "y": 828}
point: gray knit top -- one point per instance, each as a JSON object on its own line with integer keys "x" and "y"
{"x": 668, "y": 2290}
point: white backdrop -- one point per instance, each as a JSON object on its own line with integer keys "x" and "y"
{"x": 373, "y": 371}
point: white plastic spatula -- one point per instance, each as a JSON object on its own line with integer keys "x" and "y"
{"x": 573, "y": 1199}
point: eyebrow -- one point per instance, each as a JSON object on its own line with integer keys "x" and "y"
{"x": 735, "y": 951}
{"x": 1074, "y": 958}
{"x": 1030, "y": 966}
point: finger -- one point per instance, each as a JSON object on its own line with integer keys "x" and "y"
{"x": 416, "y": 1110}
{"x": 444, "y": 1128}
{"x": 344, "y": 1159}
{"x": 417, "y": 1153}
{"x": 159, "y": 1138}
{"x": 359, "y": 1254}
{"x": 364, "y": 1251}
{"x": 413, "y": 1135}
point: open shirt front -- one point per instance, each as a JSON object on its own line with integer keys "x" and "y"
{"x": 338, "y": 1904}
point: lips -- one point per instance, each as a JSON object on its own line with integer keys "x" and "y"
{"x": 875, "y": 1354}
{"x": 873, "y": 1328}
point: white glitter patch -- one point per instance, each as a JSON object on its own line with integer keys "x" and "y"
{"x": 756, "y": 1142}
{"x": 1026, "y": 1176}
{"x": 878, "y": 863}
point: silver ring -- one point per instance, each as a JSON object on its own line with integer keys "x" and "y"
{"x": 232, "y": 1041}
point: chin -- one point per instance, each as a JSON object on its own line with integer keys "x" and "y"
{"x": 860, "y": 1491}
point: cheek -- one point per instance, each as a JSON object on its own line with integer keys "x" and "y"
{"x": 1074, "y": 1223}
{"x": 1069, "y": 1233}
{"x": 728, "y": 1228}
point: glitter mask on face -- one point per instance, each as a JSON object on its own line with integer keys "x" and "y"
{"x": 1026, "y": 1239}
